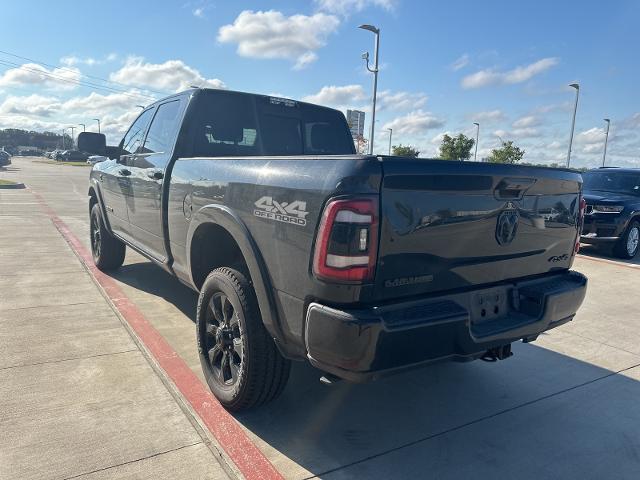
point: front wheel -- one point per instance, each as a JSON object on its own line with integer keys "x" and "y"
{"x": 108, "y": 252}
{"x": 627, "y": 246}
{"x": 240, "y": 361}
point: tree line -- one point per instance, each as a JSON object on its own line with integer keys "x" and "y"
{"x": 459, "y": 148}
{"x": 14, "y": 137}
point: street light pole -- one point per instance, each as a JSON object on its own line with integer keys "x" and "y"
{"x": 573, "y": 121}
{"x": 73, "y": 129}
{"x": 390, "y": 135}
{"x": 84, "y": 127}
{"x": 98, "y": 120}
{"x": 376, "y": 32}
{"x": 63, "y": 138}
{"x": 475, "y": 155}
{"x": 606, "y": 140}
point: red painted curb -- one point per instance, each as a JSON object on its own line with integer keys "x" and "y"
{"x": 249, "y": 460}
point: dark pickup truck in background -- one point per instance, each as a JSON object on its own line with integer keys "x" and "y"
{"x": 302, "y": 249}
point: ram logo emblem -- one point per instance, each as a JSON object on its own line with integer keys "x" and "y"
{"x": 507, "y": 226}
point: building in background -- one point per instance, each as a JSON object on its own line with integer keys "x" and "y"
{"x": 355, "y": 119}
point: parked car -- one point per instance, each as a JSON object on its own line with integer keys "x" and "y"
{"x": 73, "y": 156}
{"x": 5, "y": 158}
{"x": 612, "y": 216}
{"x": 93, "y": 159}
{"x": 302, "y": 249}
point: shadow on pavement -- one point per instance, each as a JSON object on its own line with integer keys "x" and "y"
{"x": 606, "y": 252}
{"x": 520, "y": 418}
{"x": 151, "y": 279}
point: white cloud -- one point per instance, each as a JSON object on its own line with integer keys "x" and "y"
{"x": 33, "y": 74}
{"x": 355, "y": 96}
{"x": 414, "y": 123}
{"x": 526, "y": 121}
{"x": 526, "y": 132}
{"x": 346, "y": 7}
{"x": 305, "y": 60}
{"x": 388, "y": 100}
{"x": 593, "y": 135}
{"x": 198, "y": 12}
{"x": 272, "y": 35}
{"x": 73, "y": 60}
{"x": 337, "y": 96}
{"x": 484, "y": 78}
{"x": 30, "y": 105}
{"x": 518, "y": 133}
{"x": 460, "y": 62}
{"x": 172, "y": 75}
{"x": 488, "y": 116}
{"x": 96, "y": 103}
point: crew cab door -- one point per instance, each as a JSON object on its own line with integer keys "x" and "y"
{"x": 116, "y": 182}
{"x": 148, "y": 167}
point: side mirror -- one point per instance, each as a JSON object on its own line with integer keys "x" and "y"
{"x": 112, "y": 152}
{"x": 92, "y": 143}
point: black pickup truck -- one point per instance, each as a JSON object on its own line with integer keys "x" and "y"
{"x": 302, "y": 249}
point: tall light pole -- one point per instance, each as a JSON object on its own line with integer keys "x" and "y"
{"x": 573, "y": 121}
{"x": 606, "y": 140}
{"x": 390, "y": 135}
{"x": 72, "y": 136}
{"x": 63, "y": 138}
{"x": 374, "y": 70}
{"x": 98, "y": 120}
{"x": 84, "y": 127}
{"x": 475, "y": 155}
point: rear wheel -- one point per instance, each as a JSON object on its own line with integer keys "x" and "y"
{"x": 627, "y": 246}
{"x": 108, "y": 252}
{"x": 240, "y": 361}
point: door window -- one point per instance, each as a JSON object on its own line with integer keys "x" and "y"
{"x": 163, "y": 130}
{"x": 133, "y": 138}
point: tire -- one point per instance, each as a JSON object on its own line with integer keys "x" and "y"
{"x": 240, "y": 361}
{"x": 627, "y": 246}
{"x": 108, "y": 252}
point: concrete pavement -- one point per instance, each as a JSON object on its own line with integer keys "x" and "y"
{"x": 78, "y": 397}
{"x": 563, "y": 407}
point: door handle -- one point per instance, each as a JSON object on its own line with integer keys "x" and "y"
{"x": 513, "y": 188}
{"x": 124, "y": 172}
{"x": 155, "y": 174}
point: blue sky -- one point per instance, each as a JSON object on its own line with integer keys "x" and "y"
{"x": 444, "y": 65}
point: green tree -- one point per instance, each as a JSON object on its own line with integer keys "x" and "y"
{"x": 507, "y": 153}
{"x": 456, "y": 148}
{"x": 405, "y": 151}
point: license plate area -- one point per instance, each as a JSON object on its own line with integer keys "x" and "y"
{"x": 490, "y": 304}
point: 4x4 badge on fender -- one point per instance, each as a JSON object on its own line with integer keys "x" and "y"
{"x": 294, "y": 212}
{"x": 507, "y": 226}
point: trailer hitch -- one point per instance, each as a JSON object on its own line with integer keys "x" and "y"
{"x": 497, "y": 353}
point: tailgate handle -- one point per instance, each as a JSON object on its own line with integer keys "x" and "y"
{"x": 513, "y": 188}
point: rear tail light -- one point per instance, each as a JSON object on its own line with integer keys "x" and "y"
{"x": 583, "y": 208}
{"x": 347, "y": 243}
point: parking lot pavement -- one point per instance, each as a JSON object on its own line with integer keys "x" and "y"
{"x": 78, "y": 397}
{"x": 565, "y": 406}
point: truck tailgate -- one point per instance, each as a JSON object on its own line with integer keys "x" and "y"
{"x": 449, "y": 225}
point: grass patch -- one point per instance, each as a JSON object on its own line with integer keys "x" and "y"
{"x": 6, "y": 182}
{"x": 69, "y": 164}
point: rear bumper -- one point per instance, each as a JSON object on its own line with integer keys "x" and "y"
{"x": 366, "y": 343}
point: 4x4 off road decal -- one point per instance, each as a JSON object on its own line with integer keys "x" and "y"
{"x": 294, "y": 212}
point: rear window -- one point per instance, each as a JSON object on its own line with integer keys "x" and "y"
{"x": 231, "y": 124}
